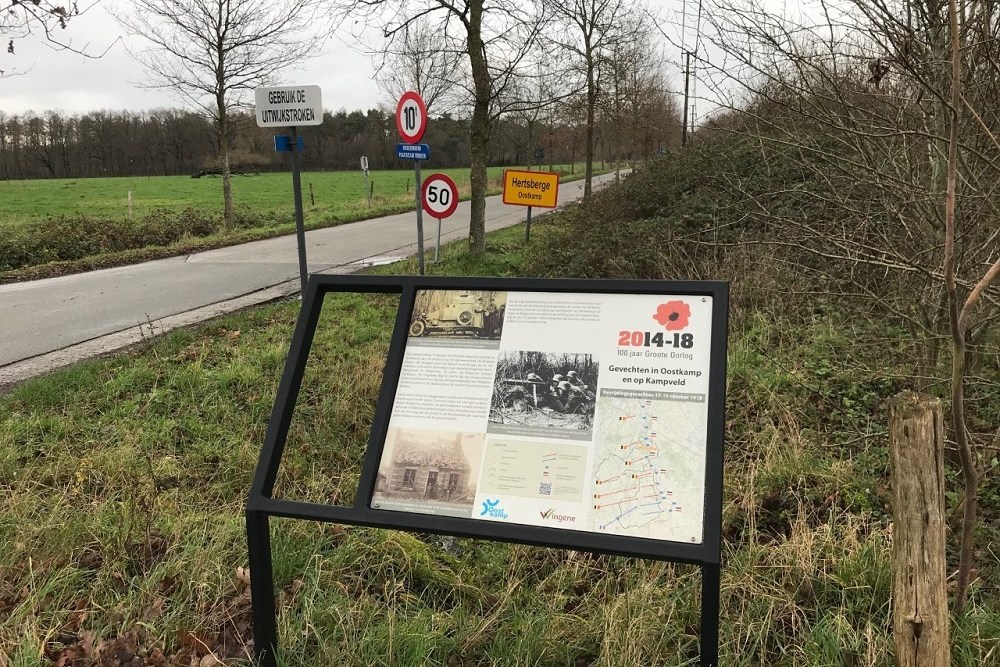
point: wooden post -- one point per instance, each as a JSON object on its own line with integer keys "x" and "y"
{"x": 919, "y": 596}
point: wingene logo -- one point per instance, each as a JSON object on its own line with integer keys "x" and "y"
{"x": 550, "y": 515}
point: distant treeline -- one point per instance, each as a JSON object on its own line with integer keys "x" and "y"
{"x": 171, "y": 142}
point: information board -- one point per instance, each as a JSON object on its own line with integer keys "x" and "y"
{"x": 573, "y": 414}
{"x": 582, "y": 411}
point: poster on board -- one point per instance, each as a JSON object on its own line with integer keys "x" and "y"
{"x": 567, "y": 410}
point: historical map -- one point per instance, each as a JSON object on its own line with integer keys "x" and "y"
{"x": 649, "y": 465}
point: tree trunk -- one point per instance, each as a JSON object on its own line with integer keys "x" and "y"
{"x": 223, "y": 114}
{"x": 479, "y": 128}
{"x": 551, "y": 149}
{"x": 919, "y": 596}
{"x": 591, "y": 103}
{"x": 227, "y": 185}
{"x": 959, "y": 329}
{"x": 591, "y": 57}
{"x": 967, "y": 459}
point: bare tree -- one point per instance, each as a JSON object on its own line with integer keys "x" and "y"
{"x": 588, "y": 30}
{"x": 961, "y": 305}
{"x": 889, "y": 110}
{"x": 420, "y": 59}
{"x": 531, "y": 99}
{"x": 213, "y": 52}
{"x": 495, "y": 37}
{"x": 635, "y": 103}
{"x": 20, "y": 19}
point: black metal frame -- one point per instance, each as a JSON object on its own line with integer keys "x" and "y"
{"x": 261, "y": 505}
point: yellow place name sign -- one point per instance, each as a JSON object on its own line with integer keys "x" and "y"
{"x": 530, "y": 188}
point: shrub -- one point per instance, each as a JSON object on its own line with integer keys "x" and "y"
{"x": 62, "y": 238}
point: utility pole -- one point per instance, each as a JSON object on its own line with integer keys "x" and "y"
{"x": 687, "y": 82}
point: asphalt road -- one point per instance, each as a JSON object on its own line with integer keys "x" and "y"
{"x": 42, "y": 317}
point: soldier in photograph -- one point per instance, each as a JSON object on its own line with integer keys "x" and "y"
{"x": 574, "y": 397}
{"x": 574, "y": 379}
{"x": 527, "y": 391}
{"x": 556, "y": 392}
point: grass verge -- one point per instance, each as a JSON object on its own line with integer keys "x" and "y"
{"x": 122, "y": 484}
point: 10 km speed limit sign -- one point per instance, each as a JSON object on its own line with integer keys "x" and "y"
{"x": 411, "y": 117}
{"x": 439, "y": 195}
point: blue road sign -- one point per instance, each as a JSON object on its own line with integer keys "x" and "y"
{"x": 284, "y": 143}
{"x": 413, "y": 151}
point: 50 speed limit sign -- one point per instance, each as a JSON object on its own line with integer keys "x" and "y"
{"x": 439, "y": 195}
{"x": 411, "y": 117}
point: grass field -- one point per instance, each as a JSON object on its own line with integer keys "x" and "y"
{"x": 335, "y": 193}
{"x": 51, "y": 227}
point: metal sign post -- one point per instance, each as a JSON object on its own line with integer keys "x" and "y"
{"x": 437, "y": 248}
{"x": 295, "y": 145}
{"x": 300, "y": 227}
{"x": 291, "y": 106}
{"x": 527, "y": 222}
{"x": 420, "y": 217}
{"x": 364, "y": 169}
{"x": 411, "y": 123}
{"x": 416, "y": 152}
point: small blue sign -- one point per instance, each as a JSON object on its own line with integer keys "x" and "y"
{"x": 284, "y": 143}
{"x": 413, "y": 151}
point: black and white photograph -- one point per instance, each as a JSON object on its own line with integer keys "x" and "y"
{"x": 473, "y": 314}
{"x": 544, "y": 389}
{"x": 427, "y": 470}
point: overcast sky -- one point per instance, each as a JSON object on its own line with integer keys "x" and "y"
{"x": 71, "y": 83}
{"x": 74, "y": 84}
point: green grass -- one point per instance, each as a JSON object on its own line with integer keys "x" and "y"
{"x": 122, "y": 483}
{"x": 29, "y": 201}
{"x": 51, "y": 227}
{"x": 337, "y": 193}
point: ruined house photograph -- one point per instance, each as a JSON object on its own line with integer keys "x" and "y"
{"x": 438, "y": 467}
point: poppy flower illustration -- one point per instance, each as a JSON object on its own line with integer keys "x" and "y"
{"x": 673, "y": 315}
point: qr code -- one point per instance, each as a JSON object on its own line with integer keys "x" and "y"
{"x": 545, "y": 488}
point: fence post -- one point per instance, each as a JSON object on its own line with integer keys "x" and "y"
{"x": 919, "y": 596}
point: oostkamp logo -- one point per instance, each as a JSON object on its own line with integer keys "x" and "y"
{"x": 492, "y": 509}
{"x": 550, "y": 515}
